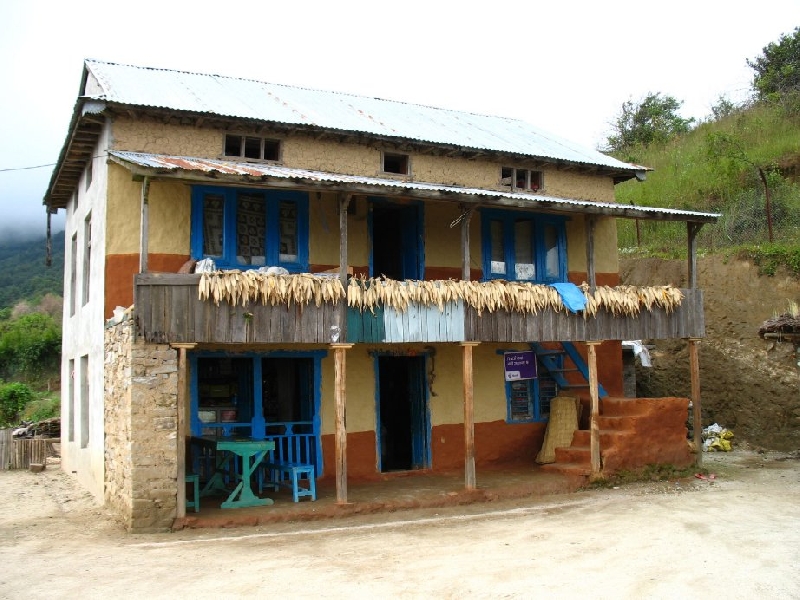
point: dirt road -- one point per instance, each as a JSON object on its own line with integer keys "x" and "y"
{"x": 735, "y": 537}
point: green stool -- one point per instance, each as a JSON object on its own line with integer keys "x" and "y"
{"x": 195, "y": 481}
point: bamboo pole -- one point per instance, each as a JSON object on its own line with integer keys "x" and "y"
{"x": 594, "y": 432}
{"x": 697, "y": 419}
{"x": 469, "y": 418}
{"x": 339, "y": 355}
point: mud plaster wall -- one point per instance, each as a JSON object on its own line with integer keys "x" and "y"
{"x": 354, "y": 159}
{"x": 141, "y": 430}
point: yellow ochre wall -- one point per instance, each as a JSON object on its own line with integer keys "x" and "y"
{"x": 170, "y": 208}
{"x": 354, "y": 159}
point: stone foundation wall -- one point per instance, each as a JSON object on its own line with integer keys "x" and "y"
{"x": 141, "y": 430}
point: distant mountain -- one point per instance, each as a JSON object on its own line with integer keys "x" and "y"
{"x": 23, "y": 274}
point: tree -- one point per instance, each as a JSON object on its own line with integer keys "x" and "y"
{"x": 777, "y": 69}
{"x": 653, "y": 120}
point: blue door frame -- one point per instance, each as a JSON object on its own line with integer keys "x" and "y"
{"x": 412, "y": 384}
{"x": 406, "y": 233}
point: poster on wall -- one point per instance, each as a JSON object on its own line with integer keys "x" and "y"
{"x": 519, "y": 365}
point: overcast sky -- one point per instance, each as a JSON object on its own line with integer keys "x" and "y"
{"x": 564, "y": 66}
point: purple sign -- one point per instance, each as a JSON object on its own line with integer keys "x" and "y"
{"x": 520, "y": 365}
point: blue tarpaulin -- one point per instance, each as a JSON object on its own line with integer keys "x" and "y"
{"x": 571, "y": 296}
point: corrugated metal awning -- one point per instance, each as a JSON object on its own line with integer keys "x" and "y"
{"x": 224, "y": 171}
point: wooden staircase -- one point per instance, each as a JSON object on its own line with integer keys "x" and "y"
{"x": 559, "y": 362}
{"x": 634, "y": 432}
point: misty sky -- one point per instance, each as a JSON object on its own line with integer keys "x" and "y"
{"x": 566, "y": 67}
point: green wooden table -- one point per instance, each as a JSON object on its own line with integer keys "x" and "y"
{"x": 251, "y": 451}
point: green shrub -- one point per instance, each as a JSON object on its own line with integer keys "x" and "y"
{"x": 43, "y": 407}
{"x": 13, "y": 399}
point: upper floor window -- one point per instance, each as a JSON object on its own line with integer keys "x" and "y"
{"x": 396, "y": 163}
{"x": 242, "y": 228}
{"x": 523, "y": 247}
{"x": 257, "y": 148}
{"x": 521, "y": 179}
{"x": 87, "y": 257}
{"x": 89, "y": 174}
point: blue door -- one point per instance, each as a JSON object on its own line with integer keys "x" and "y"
{"x": 397, "y": 240}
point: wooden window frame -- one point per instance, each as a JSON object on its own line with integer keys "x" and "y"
{"x": 268, "y": 149}
{"x": 533, "y": 180}
{"x": 508, "y": 218}
{"x": 273, "y": 200}
{"x": 403, "y": 159}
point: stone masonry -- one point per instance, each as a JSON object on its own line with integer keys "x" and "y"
{"x": 141, "y": 384}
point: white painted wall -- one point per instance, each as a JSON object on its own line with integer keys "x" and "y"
{"x": 83, "y": 331}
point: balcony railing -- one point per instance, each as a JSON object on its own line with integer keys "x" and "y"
{"x": 168, "y": 310}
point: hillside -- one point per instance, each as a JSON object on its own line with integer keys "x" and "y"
{"x": 747, "y": 384}
{"x": 23, "y": 274}
{"x": 718, "y": 167}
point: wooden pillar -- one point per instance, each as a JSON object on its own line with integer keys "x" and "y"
{"x": 144, "y": 233}
{"x": 340, "y": 397}
{"x": 697, "y": 419}
{"x": 692, "y": 230}
{"x": 589, "y": 225}
{"x": 594, "y": 432}
{"x": 180, "y": 441}
{"x": 344, "y": 203}
{"x": 469, "y": 418}
{"x": 466, "y": 260}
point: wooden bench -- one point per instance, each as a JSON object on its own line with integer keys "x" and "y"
{"x": 289, "y": 475}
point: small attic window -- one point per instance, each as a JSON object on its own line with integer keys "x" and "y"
{"x": 395, "y": 163}
{"x": 251, "y": 147}
{"x": 521, "y": 179}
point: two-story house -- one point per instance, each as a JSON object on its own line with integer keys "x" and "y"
{"x": 392, "y": 287}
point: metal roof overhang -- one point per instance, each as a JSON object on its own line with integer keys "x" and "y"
{"x": 237, "y": 173}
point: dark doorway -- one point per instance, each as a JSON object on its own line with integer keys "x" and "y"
{"x": 396, "y": 241}
{"x": 403, "y": 435}
{"x": 286, "y": 389}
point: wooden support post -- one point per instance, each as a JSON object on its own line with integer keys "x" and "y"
{"x": 340, "y": 397}
{"x": 594, "y": 432}
{"x": 344, "y": 203}
{"x": 589, "y": 225}
{"x": 697, "y": 419}
{"x": 466, "y": 260}
{"x": 180, "y": 439}
{"x": 469, "y": 418}
{"x": 144, "y": 243}
{"x": 692, "y": 230}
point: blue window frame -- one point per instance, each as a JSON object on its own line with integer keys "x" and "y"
{"x": 248, "y": 228}
{"x": 528, "y": 400}
{"x": 519, "y": 246}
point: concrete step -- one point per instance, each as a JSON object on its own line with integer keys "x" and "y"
{"x": 608, "y": 437}
{"x": 617, "y": 423}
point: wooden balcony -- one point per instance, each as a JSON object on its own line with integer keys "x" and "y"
{"x": 168, "y": 310}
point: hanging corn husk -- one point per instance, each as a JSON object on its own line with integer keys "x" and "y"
{"x": 248, "y": 287}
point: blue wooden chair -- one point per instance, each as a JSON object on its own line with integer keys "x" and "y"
{"x": 195, "y": 502}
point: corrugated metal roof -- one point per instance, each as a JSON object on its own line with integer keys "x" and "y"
{"x": 160, "y": 163}
{"x": 243, "y": 98}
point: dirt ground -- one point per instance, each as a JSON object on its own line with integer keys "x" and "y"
{"x": 747, "y": 385}
{"x": 735, "y": 536}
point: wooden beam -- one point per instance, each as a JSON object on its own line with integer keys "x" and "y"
{"x": 594, "y": 433}
{"x": 466, "y": 261}
{"x": 180, "y": 442}
{"x": 697, "y": 418}
{"x": 469, "y": 418}
{"x": 589, "y": 224}
{"x": 144, "y": 233}
{"x": 340, "y": 397}
{"x": 692, "y": 230}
